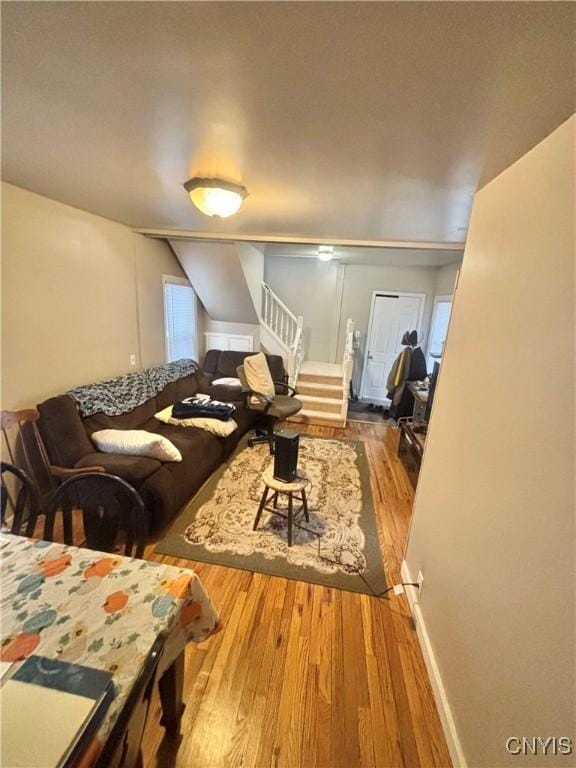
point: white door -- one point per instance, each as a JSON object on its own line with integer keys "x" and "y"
{"x": 392, "y": 315}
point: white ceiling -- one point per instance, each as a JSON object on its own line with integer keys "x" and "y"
{"x": 390, "y": 257}
{"x": 345, "y": 120}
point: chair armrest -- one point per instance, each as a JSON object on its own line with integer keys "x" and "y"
{"x": 291, "y": 391}
{"x": 64, "y": 472}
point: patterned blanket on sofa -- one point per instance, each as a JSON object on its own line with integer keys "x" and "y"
{"x": 115, "y": 397}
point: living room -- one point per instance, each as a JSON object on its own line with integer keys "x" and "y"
{"x": 358, "y": 615}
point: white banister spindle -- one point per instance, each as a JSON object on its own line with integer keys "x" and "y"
{"x": 285, "y": 329}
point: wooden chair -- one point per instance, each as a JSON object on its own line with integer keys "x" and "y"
{"x": 18, "y": 492}
{"x": 24, "y": 446}
{"x": 109, "y": 506}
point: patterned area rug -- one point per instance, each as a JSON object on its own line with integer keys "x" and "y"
{"x": 338, "y": 547}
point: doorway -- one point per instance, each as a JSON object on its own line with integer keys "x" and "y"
{"x": 391, "y": 315}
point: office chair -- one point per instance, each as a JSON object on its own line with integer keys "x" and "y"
{"x": 272, "y": 409}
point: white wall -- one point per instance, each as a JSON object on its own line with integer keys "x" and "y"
{"x": 446, "y": 279}
{"x": 252, "y": 263}
{"x": 493, "y": 525}
{"x": 218, "y": 326}
{"x": 313, "y": 289}
{"x": 80, "y": 294}
{"x": 359, "y": 284}
{"x": 327, "y": 294}
{"x": 216, "y": 271}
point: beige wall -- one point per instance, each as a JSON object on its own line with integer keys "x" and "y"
{"x": 80, "y": 294}
{"x": 154, "y": 258}
{"x": 493, "y": 525}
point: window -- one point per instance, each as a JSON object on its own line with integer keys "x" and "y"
{"x": 438, "y": 328}
{"x": 179, "y": 319}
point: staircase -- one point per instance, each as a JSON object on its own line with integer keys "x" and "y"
{"x": 281, "y": 332}
{"x": 320, "y": 388}
{"x": 228, "y": 279}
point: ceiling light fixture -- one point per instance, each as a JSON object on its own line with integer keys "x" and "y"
{"x": 325, "y": 252}
{"x": 216, "y": 197}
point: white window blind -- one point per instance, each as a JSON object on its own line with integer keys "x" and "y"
{"x": 179, "y": 319}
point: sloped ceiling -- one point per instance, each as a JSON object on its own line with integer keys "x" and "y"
{"x": 352, "y": 120}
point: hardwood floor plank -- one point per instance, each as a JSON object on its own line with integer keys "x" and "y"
{"x": 305, "y": 676}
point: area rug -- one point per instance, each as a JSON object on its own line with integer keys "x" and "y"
{"x": 339, "y": 545}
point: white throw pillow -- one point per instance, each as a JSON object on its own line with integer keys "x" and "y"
{"x": 258, "y": 376}
{"x": 215, "y": 426}
{"x": 228, "y": 381}
{"x": 136, "y": 442}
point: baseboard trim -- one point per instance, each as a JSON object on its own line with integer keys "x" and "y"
{"x": 440, "y": 697}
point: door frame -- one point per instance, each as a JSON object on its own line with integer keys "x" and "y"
{"x": 375, "y": 294}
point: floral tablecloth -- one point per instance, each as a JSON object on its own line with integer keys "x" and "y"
{"x": 97, "y": 609}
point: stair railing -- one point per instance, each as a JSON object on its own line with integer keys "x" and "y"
{"x": 286, "y": 327}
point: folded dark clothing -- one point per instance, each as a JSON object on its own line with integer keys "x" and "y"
{"x": 201, "y": 406}
{"x": 197, "y": 411}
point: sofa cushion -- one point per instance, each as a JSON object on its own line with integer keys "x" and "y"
{"x": 134, "y": 469}
{"x": 165, "y": 491}
{"x": 190, "y": 441}
{"x": 176, "y": 391}
{"x": 62, "y": 431}
{"x": 132, "y": 420}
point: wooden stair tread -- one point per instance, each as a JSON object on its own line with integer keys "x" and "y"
{"x": 320, "y": 378}
{"x": 314, "y": 385}
{"x": 317, "y": 368}
{"x": 319, "y": 403}
{"x": 318, "y": 399}
{"x": 323, "y": 418}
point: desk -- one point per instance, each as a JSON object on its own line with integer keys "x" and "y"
{"x": 411, "y": 449}
{"x": 101, "y": 610}
{"x": 420, "y": 400}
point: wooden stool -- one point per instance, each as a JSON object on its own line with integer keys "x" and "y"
{"x": 288, "y": 489}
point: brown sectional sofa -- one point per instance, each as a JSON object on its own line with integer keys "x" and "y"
{"x": 165, "y": 487}
{"x": 218, "y": 364}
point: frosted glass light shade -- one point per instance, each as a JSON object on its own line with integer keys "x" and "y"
{"x": 216, "y": 197}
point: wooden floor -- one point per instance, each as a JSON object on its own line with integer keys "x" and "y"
{"x": 305, "y": 676}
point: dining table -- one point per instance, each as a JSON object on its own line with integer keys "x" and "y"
{"x": 130, "y": 617}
